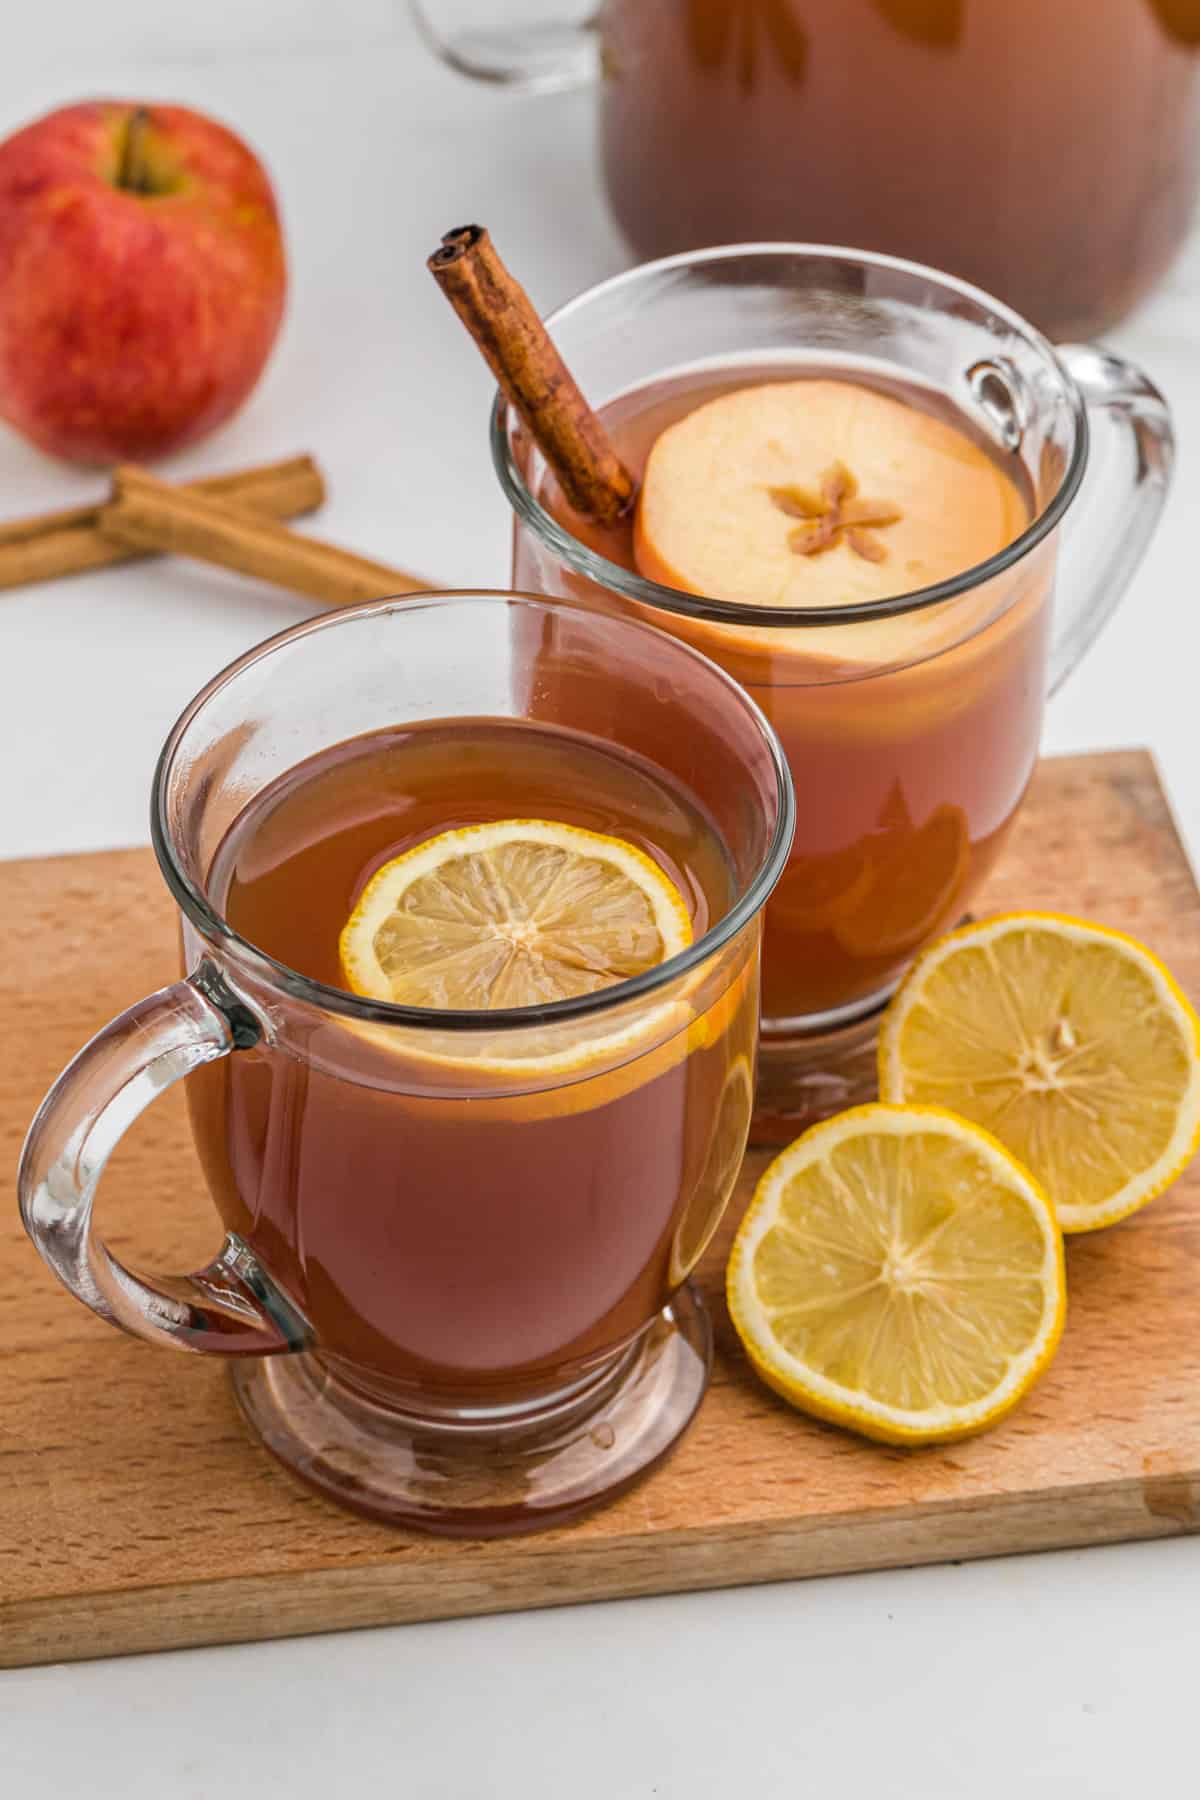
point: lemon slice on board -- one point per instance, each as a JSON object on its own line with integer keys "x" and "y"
{"x": 900, "y": 1273}
{"x": 521, "y": 912}
{"x": 1070, "y": 1042}
{"x": 722, "y": 1166}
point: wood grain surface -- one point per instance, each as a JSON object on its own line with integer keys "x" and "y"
{"x": 136, "y": 1513}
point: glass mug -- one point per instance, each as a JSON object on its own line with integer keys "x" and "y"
{"x": 453, "y": 1293}
{"x": 910, "y": 724}
{"x": 1048, "y": 150}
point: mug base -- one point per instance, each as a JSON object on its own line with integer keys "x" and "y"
{"x": 477, "y": 1478}
{"x": 807, "y": 1076}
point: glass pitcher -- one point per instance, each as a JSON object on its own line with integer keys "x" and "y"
{"x": 1047, "y": 150}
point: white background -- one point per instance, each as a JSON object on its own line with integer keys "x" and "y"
{"x": 1068, "y": 1675}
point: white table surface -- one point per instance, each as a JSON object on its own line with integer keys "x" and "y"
{"x": 1056, "y": 1676}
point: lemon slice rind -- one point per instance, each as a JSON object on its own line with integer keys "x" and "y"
{"x": 807, "y": 1388}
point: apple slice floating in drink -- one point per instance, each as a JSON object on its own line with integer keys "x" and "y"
{"x": 818, "y": 493}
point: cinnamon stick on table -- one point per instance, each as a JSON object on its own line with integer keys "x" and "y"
{"x": 500, "y": 317}
{"x": 70, "y": 541}
{"x": 147, "y": 514}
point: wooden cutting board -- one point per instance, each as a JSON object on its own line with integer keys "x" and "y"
{"x": 136, "y": 1513}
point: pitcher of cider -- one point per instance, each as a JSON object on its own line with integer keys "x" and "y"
{"x": 1046, "y": 150}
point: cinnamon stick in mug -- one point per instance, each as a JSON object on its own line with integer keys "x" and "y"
{"x": 518, "y": 349}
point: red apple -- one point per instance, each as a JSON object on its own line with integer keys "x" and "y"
{"x": 142, "y": 279}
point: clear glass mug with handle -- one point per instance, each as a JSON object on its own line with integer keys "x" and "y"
{"x": 454, "y": 1285}
{"x": 976, "y": 135}
{"x": 910, "y": 723}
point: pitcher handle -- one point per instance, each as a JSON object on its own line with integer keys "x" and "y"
{"x": 543, "y": 58}
{"x": 232, "y": 1306}
{"x": 1107, "y": 531}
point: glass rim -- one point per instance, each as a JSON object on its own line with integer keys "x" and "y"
{"x": 194, "y": 902}
{"x": 611, "y": 575}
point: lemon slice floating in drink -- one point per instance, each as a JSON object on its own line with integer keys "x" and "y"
{"x": 1071, "y": 1042}
{"x": 520, "y": 912}
{"x": 900, "y": 1273}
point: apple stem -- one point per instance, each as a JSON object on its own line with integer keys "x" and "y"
{"x": 133, "y": 174}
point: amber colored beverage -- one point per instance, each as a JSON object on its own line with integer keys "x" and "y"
{"x": 442, "y": 1235}
{"x": 907, "y": 777}
{"x": 452, "y": 1286}
{"x": 1047, "y": 150}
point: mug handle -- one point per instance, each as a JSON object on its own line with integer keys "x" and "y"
{"x": 544, "y": 58}
{"x": 231, "y": 1307}
{"x": 1132, "y": 452}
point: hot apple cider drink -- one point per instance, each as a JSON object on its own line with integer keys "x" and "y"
{"x": 839, "y": 476}
{"x": 530, "y": 1209}
{"x": 824, "y": 492}
{"x": 471, "y": 892}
